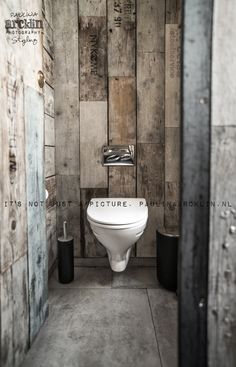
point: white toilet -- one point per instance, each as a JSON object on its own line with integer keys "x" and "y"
{"x": 117, "y": 224}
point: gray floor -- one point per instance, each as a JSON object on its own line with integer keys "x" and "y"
{"x": 106, "y": 319}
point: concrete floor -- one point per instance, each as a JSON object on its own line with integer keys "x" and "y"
{"x": 106, "y": 319}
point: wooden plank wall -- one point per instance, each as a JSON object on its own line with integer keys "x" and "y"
{"x": 222, "y": 257}
{"x": 49, "y": 131}
{"x": 123, "y": 94}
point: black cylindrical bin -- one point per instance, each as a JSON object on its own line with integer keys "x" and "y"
{"x": 65, "y": 248}
{"x": 167, "y": 259}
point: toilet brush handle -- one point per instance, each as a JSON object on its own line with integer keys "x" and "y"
{"x": 65, "y": 230}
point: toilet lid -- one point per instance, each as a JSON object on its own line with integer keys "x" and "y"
{"x": 112, "y": 211}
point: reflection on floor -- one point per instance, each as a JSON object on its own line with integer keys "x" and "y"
{"x": 106, "y": 319}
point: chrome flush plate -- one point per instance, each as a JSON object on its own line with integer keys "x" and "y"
{"x": 118, "y": 155}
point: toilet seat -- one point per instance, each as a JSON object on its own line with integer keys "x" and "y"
{"x": 117, "y": 213}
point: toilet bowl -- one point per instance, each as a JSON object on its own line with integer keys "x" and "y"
{"x": 117, "y": 224}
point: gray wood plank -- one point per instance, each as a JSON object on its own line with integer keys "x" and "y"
{"x": 68, "y": 208}
{"x": 48, "y": 68}
{"x": 51, "y": 227}
{"x": 93, "y": 58}
{"x": 172, "y": 154}
{"x": 93, "y": 135}
{"x": 150, "y": 25}
{"x": 48, "y": 100}
{"x": 36, "y": 215}
{"x": 150, "y": 94}
{"x": 51, "y": 188}
{"x": 47, "y": 10}
{"x": 49, "y": 124}
{"x": 172, "y": 75}
{"x": 172, "y": 209}
{"x": 91, "y": 246}
{"x": 66, "y": 86}
{"x": 48, "y": 38}
{"x": 49, "y": 161}
{"x": 122, "y": 181}
{"x": 121, "y": 38}
{"x": 92, "y": 8}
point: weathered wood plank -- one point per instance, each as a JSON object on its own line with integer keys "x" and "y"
{"x": 49, "y": 161}
{"x": 121, "y": 38}
{"x": 47, "y": 10}
{"x": 195, "y": 182}
{"x": 172, "y": 154}
{"x": 150, "y": 172}
{"x": 13, "y": 221}
{"x": 48, "y": 38}
{"x": 172, "y": 76}
{"x": 146, "y": 246}
{"x": 93, "y": 135}
{"x": 48, "y": 100}
{"x": 93, "y": 59}
{"x": 36, "y": 215}
{"x": 150, "y": 25}
{"x": 92, "y": 8}
{"x": 49, "y": 123}
{"x": 122, "y": 110}
{"x": 172, "y": 200}
{"x": 66, "y": 87}
{"x": 51, "y": 228}
{"x": 68, "y": 208}
{"x": 91, "y": 246}
{"x": 122, "y": 181}
{"x": 150, "y": 92}
{"x": 222, "y": 266}
{"x": 173, "y": 11}
{"x": 48, "y": 68}
{"x": 51, "y": 188}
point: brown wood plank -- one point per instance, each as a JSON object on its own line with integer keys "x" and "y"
{"x": 150, "y": 25}
{"x": 91, "y": 246}
{"x": 49, "y": 123}
{"x": 121, "y": 38}
{"x": 68, "y": 208}
{"x": 172, "y": 75}
{"x": 93, "y": 135}
{"x": 122, "y": 181}
{"x": 172, "y": 154}
{"x": 51, "y": 236}
{"x": 93, "y": 59}
{"x": 95, "y": 8}
{"x": 173, "y": 11}
{"x": 172, "y": 199}
{"x": 150, "y": 92}
{"x": 122, "y": 110}
{"x": 66, "y": 86}
{"x": 48, "y": 68}
{"x": 51, "y": 188}
{"x": 49, "y": 161}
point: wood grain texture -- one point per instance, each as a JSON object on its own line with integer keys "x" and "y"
{"x": 36, "y": 215}
{"x": 122, "y": 181}
{"x": 49, "y": 161}
{"x": 94, "y": 8}
{"x": 48, "y": 68}
{"x": 122, "y": 110}
{"x": 48, "y": 100}
{"x": 222, "y": 266}
{"x": 150, "y": 25}
{"x": 66, "y": 87}
{"x": 93, "y": 135}
{"x": 51, "y": 228}
{"x": 172, "y": 199}
{"x": 68, "y": 208}
{"x": 172, "y": 75}
{"x": 49, "y": 124}
{"x": 172, "y": 154}
{"x": 91, "y": 246}
{"x": 121, "y": 38}
{"x": 51, "y": 188}
{"x": 47, "y": 10}
{"x": 150, "y": 172}
{"x": 150, "y": 94}
{"x": 173, "y": 11}
{"x": 93, "y": 59}
{"x": 48, "y": 38}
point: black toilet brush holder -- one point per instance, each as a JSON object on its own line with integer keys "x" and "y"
{"x": 65, "y": 248}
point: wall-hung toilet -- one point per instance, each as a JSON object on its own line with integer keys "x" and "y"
{"x": 117, "y": 224}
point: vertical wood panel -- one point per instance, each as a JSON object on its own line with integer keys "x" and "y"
{"x": 122, "y": 181}
{"x": 92, "y": 8}
{"x": 173, "y": 11}
{"x": 150, "y": 92}
{"x": 172, "y": 154}
{"x": 37, "y": 246}
{"x": 49, "y": 161}
{"x": 68, "y": 208}
{"x": 172, "y": 200}
{"x": 51, "y": 236}
{"x": 93, "y": 59}
{"x": 49, "y": 130}
{"x": 48, "y": 68}
{"x": 91, "y": 246}
{"x": 49, "y": 100}
{"x": 93, "y": 135}
{"x": 150, "y": 25}
{"x": 48, "y": 38}
{"x": 51, "y": 188}
{"x": 121, "y": 38}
